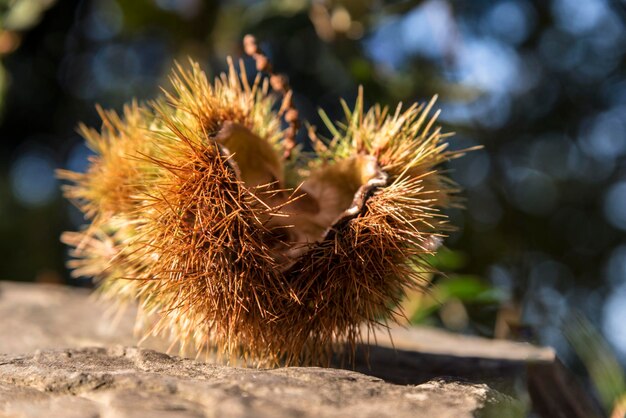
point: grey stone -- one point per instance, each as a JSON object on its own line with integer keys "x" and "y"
{"x": 67, "y": 354}
{"x": 38, "y": 317}
{"x": 131, "y": 382}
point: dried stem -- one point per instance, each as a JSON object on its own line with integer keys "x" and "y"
{"x": 280, "y": 84}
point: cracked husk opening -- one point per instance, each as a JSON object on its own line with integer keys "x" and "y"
{"x": 329, "y": 195}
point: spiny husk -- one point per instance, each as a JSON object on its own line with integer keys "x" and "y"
{"x": 194, "y": 214}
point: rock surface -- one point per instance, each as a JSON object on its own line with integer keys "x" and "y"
{"x": 39, "y": 317}
{"x": 64, "y": 354}
{"x": 131, "y": 382}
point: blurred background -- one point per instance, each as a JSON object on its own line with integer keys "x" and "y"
{"x": 541, "y": 84}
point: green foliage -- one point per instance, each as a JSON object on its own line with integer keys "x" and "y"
{"x": 605, "y": 371}
{"x": 451, "y": 289}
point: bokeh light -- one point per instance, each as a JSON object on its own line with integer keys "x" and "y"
{"x": 614, "y": 314}
{"x": 615, "y": 205}
{"x": 32, "y": 177}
